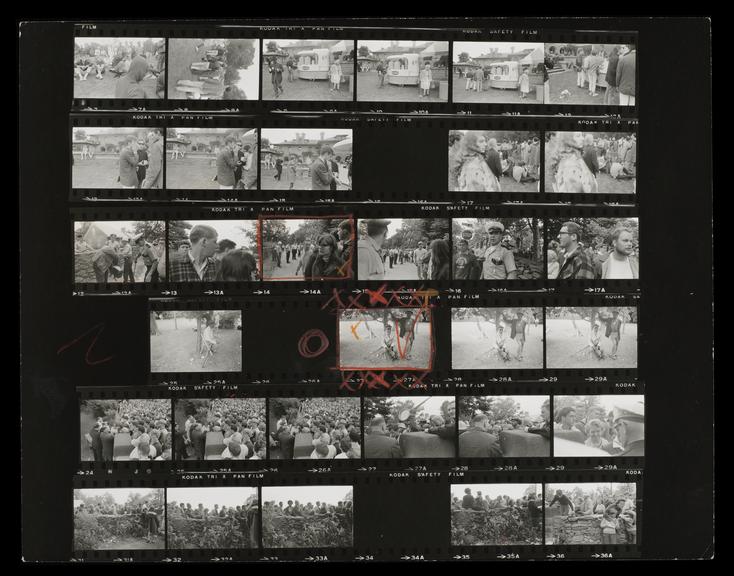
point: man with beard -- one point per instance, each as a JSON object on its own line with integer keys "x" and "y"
{"x": 621, "y": 264}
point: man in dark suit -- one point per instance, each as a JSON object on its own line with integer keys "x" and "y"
{"x": 476, "y": 442}
{"x": 96, "y": 442}
{"x": 287, "y": 442}
{"x": 377, "y": 444}
{"x": 321, "y": 174}
{"x": 198, "y": 437}
{"x": 226, "y": 165}
{"x": 107, "y": 439}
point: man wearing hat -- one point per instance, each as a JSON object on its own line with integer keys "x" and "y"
{"x": 369, "y": 262}
{"x": 629, "y": 424}
{"x": 499, "y": 262}
{"x": 576, "y": 265}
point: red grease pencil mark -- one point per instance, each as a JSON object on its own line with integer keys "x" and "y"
{"x": 98, "y": 329}
{"x": 303, "y": 347}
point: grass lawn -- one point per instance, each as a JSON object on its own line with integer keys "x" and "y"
{"x": 368, "y": 90}
{"x": 605, "y": 183}
{"x": 564, "y": 347}
{"x": 105, "y": 88}
{"x": 175, "y": 351}
{"x": 566, "y": 80}
{"x": 362, "y": 351}
{"x": 99, "y": 172}
{"x": 491, "y": 95}
{"x": 299, "y": 89}
{"x": 470, "y": 350}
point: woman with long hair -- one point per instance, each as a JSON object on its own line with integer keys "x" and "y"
{"x": 475, "y": 175}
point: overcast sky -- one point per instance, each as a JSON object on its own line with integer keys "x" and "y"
{"x": 374, "y": 45}
{"x": 188, "y": 130}
{"x": 111, "y": 41}
{"x": 514, "y": 491}
{"x": 305, "y": 494}
{"x": 586, "y": 487}
{"x": 432, "y": 405}
{"x": 278, "y": 135}
{"x": 529, "y": 404}
{"x": 475, "y": 49}
{"x": 224, "y": 496}
{"x": 119, "y": 494}
{"x": 608, "y": 401}
{"x": 292, "y": 224}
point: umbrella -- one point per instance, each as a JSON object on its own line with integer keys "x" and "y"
{"x": 343, "y": 147}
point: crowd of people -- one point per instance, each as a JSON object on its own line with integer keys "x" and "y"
{"x": 324, "y": 170}
{"x": 480, "y": 439}
{"x": 477, "y": 77}
{"x": 478, "y": 162}
{"x": 620, "y": 432}
{"x": 119, "y": 257}
{"x": 432, "y": 259}
{"x": 382, "y": 437}
{"x": 239, "y": 423}
{"x": 149, "y": 516}
{"x": 145, "y": 422}
{"x": 277, "y": 68}
{"x": 615, "y": 515}
{"x": 236, "y": 165}
{"x": 128, "y": 65}
{"x": 342, "y": 510}
{"x": 618, "y": 69}
{"x": 570, "y": 259}
{"x": 528, "y": 504}
{"x": 334, "y": 424}
{"x": 206, "y": 258}
{"x": 576, "y": 159}
{"x": 326, "y": 257}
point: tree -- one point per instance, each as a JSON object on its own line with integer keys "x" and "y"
{"x": 363, "y": 51}
{"x": 264, "y": 143}
{"x": 178, "y": 231}
{"x": 239, "y": 55}
{"x": 272, "y": 46}
{"x": 469, "y": 405}
{"x": 150, "y": 229}
{"x": 273, "y": 230}
{"x": 464, "y": 57}
{"x": 375, "y": 406}
{"x": 80, "y": 134}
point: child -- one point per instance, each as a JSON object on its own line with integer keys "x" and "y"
{"x": 608, "y": 525}
{"x": 524, "y": 84}
{"x": 335, "y": 74}
{"x": 426, "y": 78}
{"x": 553, "y": 266}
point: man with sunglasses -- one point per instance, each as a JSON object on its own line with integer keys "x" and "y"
{"x": 577, "y": 264}
{"x": 499, "y": 262}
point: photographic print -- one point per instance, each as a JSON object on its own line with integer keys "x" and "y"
{"x": 497, "y": 338}
{"x": 402, "y": 71}
{"x": 591, "y": 337}
{"x": 591, "y": 162}
{"x": 213, "y": 250}
{"x": 128, "y": 429}
{"x": 410, "y": 427}
{"x": 213, "y": 68}
{"x": 307, "y": 159}
{"x": 385, "y": 339}
{"x": 597, "y": 74}
{"x": 403, "y": 249}
{"x": 588, "y": 513}
{"x": 220, "y": 429}
{"x": 196, "y": 341}
{"x": 496, "y": 514}
{"x": 308, "y": 516}
{"x": 112, "y": 252}
{"x": 494, "y": 161}
{"x": 601, "y": 425}
{"x": 315, "y": 428}
{"x": 117, "y": 158}
{"x": 498, "y": 72}
{"x": 126, "y": 68}
{"x": 309, "y": 70}
{"x": 593, "y": 249}
{"x": 307, "y": 248}
{"x": 504, "y": 426}
{"x": 497, "y": 249}
{"x": 119, "y": 519}
{"x": 220, "y": 518}
{"x": 211, "y": 158}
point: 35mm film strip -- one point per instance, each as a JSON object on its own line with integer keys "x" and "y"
{"x": 228, "y": 250}
{"x": 389, "y": 340}
{"x": 519, "y": 69}
{"x": 288, "y": 429}
{"x": 352, "y": 158}
{"x": 474, "y": 516}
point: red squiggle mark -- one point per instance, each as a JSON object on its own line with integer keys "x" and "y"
{"x": 303, "y": 347}
{"x": 98, "y": 329}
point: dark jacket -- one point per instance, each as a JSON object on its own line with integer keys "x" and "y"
{"x": 378, "y": 445}
{"x": 494, "y": 162}
{"x": 129, "y": 86}
{"x": 475, "y": 443}
{"x": 611, "y": 76}
{"x": 287, "y": 443}
{"x": 626, "y": 73}
{"x": 108, "y": 445}
{"x": 321, "y": 176}
{"x": 591, "y": 159}
{"x": 320, "y": 270}
{"x": 154, "y": 174}
{"x": 128, "y": 167}
{"x": 226, "y": 166}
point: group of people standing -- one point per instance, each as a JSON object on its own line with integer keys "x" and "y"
{"x": 323, "y": 171}
{"x": 477, "y": 162}
{"x": 618, "y": 68}
{"x": 236, "y": 166}
{"x": 493, "y": 261}
{"x": 141, "y": 161}
{"x": 119, "y": 257}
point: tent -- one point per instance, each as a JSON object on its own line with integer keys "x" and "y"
{"x": 98, "y": 232}
{"x": 535, "y": 57}
{"x": 343, "y": 147}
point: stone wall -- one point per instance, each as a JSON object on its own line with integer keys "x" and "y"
{"x": 570, "y": 530}
{"x": 495, "y": 527}
{"x": 194, "y": 533}
{"x": 83, "y": 269}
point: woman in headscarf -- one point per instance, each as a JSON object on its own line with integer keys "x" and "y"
{"x": 572, "y": 174}
{"x": 475, "y": 175}
{"x": 130, "y": 85}
{"x": 440, "y": 263}
{"x": 327, "y": 264}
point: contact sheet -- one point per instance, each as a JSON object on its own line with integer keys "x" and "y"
{"x": 363, "y": 290}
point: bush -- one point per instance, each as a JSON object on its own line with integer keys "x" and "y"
{"x": 306, "y": 532}
{"x": 499, "y": 527}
